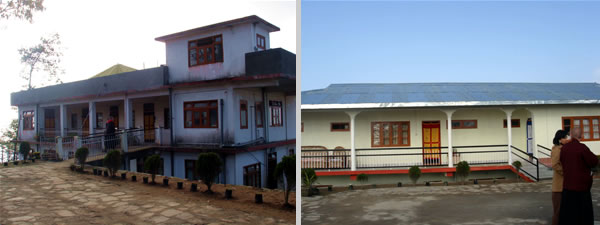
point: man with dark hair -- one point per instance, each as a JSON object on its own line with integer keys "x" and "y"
{"x": 577, "y": 160}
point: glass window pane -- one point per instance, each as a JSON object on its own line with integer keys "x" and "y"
{"x": 189, "y": 105}
{"x": 200, "y": 105}
{"x": 386, "y": 134}
{"x": 455, "y": 124}
{"x": 193, "y": 57}
{"x": 243, "y": 118}
{"x": 209, "y": 55}
{"x": 469, "y": 123}
{"x": 376, "y": 127}
{"x": 213, "y": 103}
{"x": 395, "y": 134}
{"x": 192, "y": 44}
{"x": 219, "y": 53}
{"x": 201, "y": 56}
{"x": 188, "y": 118}
{"x": 218, "y": 39}
{"x": 205, "y": 119}
{"x": 196, "y": 118}
{"x": 214, "y": 116}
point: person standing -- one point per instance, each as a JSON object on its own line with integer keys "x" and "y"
{"x": 109, "y": 134}
{"x": 560, "y": 138}
{"x": 577, "y": 161}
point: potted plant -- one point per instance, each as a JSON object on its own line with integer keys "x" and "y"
{"x": 309, "y": 177}
{"x": 208, "y": 167}
{"x": 151, "y": 165}
{"x": 517, "y": 165}
{"x": 24, "y": 150}
{"x": 112, "y": 162}
{"x": 462, "y": 170}
{"x": 81, "y": 155}
{"x": 362, "y": 178}
{"x": 414, "y": 173}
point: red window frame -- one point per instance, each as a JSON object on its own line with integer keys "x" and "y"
{"x": 243, "y": 114}
{"x": 259, "y": 112}
{"x": 213, "y": 44}
{"x": 346, "y": 127}
{"x": 261, "y": 42}
{"x": 28, "y": 122}
{"x": 512, "y": 123}
{"x": 391, "y": 140}
{"x": 276, "y": 113}
{"x": 590, "y": 120}
{"x": 212, "y": 106}
{"x": 462, "y": 124}
{"x": 252, "y": 177}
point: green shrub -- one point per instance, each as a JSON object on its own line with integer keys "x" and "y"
{"x": 81, "y": 155}
{"x": 152, "y": 165}
{"x": 286, "y": 170}
{"x": 36, "y": 155}
{"x": 309, "y": 177}
{"x": 462, "y": 170}
{"x": 208, "y": 167}
{"x": 414, "y": 173}
{"x": 24, "y": 150}
{"x": 362, "y": 178}
{"x": 112, "y": 161}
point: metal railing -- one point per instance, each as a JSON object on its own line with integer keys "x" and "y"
{"x": 530, "y": 165}
{"x": 370, "y": 158}
{"x": 545, "y": 152}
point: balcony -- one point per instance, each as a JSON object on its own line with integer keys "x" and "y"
{"x": 272, "y": 61}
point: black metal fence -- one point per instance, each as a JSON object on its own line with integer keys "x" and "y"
{"x": 530, "y": 165}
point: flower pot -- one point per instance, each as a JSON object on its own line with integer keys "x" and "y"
{"x": 5, "y": 164}
{"x": 180, "y": 185}
{"x": 133, "y": 178}
{"x": 445, "y": 183}
{"x": 166, "y": 181}
{"x": 350, "y": 187}
{"x": 32, "y": 160}
{"x": 228, "y": 194}
{"x": 123, "y": 176}
{"x": 475, "y": 181}
{"x": 95, "y": 171}
{"x": 194, "y": 187}
{"x": 145, "y": 180}
{"x": 258, "y": 198}
{"x": 16, "y": 162}
{"x": 427, "y": 183}
{"x": 106, "y": 173}
{"x": 399, "y": 184}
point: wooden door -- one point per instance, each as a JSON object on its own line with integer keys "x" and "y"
{"x": 149, "y": 122}
{"x": 114, "y": 113}
{"x": 432, "y": 154}
{"x": 49, "y": 123}
{"x": 271, "y": 164}
{"x": 85, "y": 124}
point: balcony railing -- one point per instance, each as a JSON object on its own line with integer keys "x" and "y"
{"x": 371, "y": 158}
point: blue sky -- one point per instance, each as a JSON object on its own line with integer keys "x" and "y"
{"x": 404, "y": 42}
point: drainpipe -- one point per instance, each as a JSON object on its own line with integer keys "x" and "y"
{"x": 265, "y": 113}
{"x": 172, "y": 163}
{"x": 222, "y": 125}
{"x": 37, "y": 126}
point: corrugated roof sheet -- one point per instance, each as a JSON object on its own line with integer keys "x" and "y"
{"x": 449, "y": 94}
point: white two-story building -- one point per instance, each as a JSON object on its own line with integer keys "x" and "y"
{"x": 223, "y": 89}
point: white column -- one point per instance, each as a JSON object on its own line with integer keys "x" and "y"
{"x": 63, "y": 119}
{"x": 128, "y": 113}
{"x": 509, "y": 128}
{"x": 352, "y": 115}
{"x": 92, "y": 116}
{"x": 449, "y": 115}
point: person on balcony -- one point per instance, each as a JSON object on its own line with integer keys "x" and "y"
{"x": 560, "y": 139}
{"x": 109, "y": 134}
{"x": 577, "y": 161}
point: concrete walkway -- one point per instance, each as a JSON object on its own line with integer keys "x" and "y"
{"x": 508, "y": 203}
{"x": 49, "y": 193}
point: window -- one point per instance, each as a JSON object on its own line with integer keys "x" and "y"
{"x": 167, "y": 118}
{"x": 463, "y": 124}
{"x": 259, "y": 111}
{"x": 252, "y": 175}
{"x": 74, "y": 121}
{"x": 260, "y": 42}
{"x": 390, "y": 134}
{"x": 588, "y": 125}
{"x": 201, "y": 114}
{"x": 276, "y": 117}
{"x": 340, "y": 127}
{"x": 28, "y": 120}
{"x": 205, "y": 51}
{"x": 243, "y": 114}
{"x": 290, "y": 151}
{"x": 190, "y": 169}
{"x": 99, "y": 120}
{"x": 513, "y": 123}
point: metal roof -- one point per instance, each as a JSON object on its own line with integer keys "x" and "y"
{"x": 346, "y": 96}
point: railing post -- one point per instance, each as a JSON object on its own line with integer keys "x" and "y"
{"x": 124, "y": 141}
{"x": 537, "y": 168}
{"x": 59, "y": 147}
{"x": 102, "y": 140}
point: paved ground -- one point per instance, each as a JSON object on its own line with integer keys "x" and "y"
{"x": 507, "y": 203}
{"x": 49, "y": 193}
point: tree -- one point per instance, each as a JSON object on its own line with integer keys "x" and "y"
{"x": 414, "y": 173}
{"x": 20, "y": 9}
{"x": 208, "y": 167}
{"x": 24, "y": 150}
{"x": 462, "y": 170}
{"x": 81, "y": 155}
{"x": 10, "y": 134}
{"x": 286, "y": 171}
{"x": 43, "y": 56}
{"x": 152, "y": 165}
{"x": 112, "y": 161}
